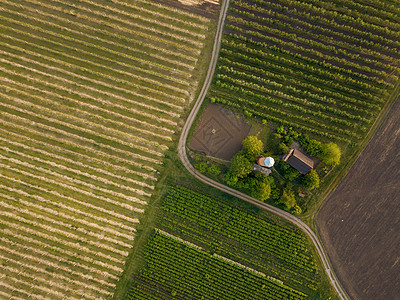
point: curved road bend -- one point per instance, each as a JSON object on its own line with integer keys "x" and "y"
{"x": 183, "y": 156}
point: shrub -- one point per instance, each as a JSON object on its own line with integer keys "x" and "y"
{"x": 213, "y": 169}
{"x": 282, "y": 148}
{"x": 201, "y": 167}
{"x": 248, "y": 114}
{"x": 296, "y": 209}
{"x": 313, "y": 147}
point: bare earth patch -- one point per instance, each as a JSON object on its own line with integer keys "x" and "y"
{"x": 219, "y": 132}
{"x": 359, "y": 224}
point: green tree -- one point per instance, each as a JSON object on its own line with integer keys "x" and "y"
{"x": 288, "y": 197}
{"x": 240, "y": 167}
{"x": 253, "y": 146}
{"x": 311, "y": 180}
{"x": 330, "y": 154}
{"x": 260, "y": 190}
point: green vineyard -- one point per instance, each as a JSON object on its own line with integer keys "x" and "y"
{"x": 186, "y": 272}
{"x": 219, "y": 230}
{"x": 91, "y": 93}
{"x": 323, "y": 68}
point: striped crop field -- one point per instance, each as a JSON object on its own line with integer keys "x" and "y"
{"x": 324, "y": 67}
{"x": 91, "y": 93}
{"x": 206, "y": 247}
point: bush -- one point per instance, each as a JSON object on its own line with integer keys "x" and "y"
{"x": 201, "y": 167}
{"x": 248, "y": 114}
{"x": 287, "y": 171}
{"x": 281, "y": 130}
{"x": 213, "y": 169}
{"x": 287, "y": 140}
{"x": 296, "y": 209}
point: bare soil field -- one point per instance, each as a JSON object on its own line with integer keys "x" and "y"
{"x": 359, "y": 224}
{"x": 219, "y": 132}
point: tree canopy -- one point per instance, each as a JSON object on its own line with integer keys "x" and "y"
{"x": 288, "y": 197}
{"x": 253, "y": 146}
{"x": 240, "y": 167}
{"x": 330, "y": 154}
{"x": 311, "y": 180}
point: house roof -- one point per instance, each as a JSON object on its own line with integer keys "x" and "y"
{"x": 261, "y": 169}
{"x": 300, "y": 161}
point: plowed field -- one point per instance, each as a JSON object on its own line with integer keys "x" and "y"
{"x": 360, "y": 221}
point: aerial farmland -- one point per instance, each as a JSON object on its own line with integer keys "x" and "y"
{"x": 123, "y": 122}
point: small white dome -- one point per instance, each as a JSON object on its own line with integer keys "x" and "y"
{"x": 269, "y": 162}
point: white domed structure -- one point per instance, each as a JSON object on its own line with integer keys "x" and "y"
{"x": 269, "y": 162}
{"x": 266, "y": 161}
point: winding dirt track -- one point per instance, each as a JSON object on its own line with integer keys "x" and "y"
{"x": 183, "y": 156}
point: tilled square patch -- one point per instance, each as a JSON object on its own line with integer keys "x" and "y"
{"x": 220, "y": 132}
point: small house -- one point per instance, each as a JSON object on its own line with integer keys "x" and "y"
{"x": 299, "y": 160}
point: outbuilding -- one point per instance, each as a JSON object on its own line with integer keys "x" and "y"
{"x": 299, "y": 160}
{"x": 266, "y": 161}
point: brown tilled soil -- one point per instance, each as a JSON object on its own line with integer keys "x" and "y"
{"x": 219, "y": 133}
{"x": 360, "y": 222}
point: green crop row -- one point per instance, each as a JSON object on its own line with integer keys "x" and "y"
{"x": 187, "y": 272}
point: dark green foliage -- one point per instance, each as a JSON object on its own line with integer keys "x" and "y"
{"x": 240, "y": 167}
{"x": 261, "y": 186}
{"x": 313, "y": 147}
{"x": 311, "y": 180}
{"x": 296, "y": 209}
{"x": 261, "y": 191}
{"x": 283, "y": 148}
{"x": 201, "y": 167}
{"x": 287, "y": 171}
{"x": 213, "y": 169}
{"x": 248, "y": 114}
{"x": 287, "y": 198}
